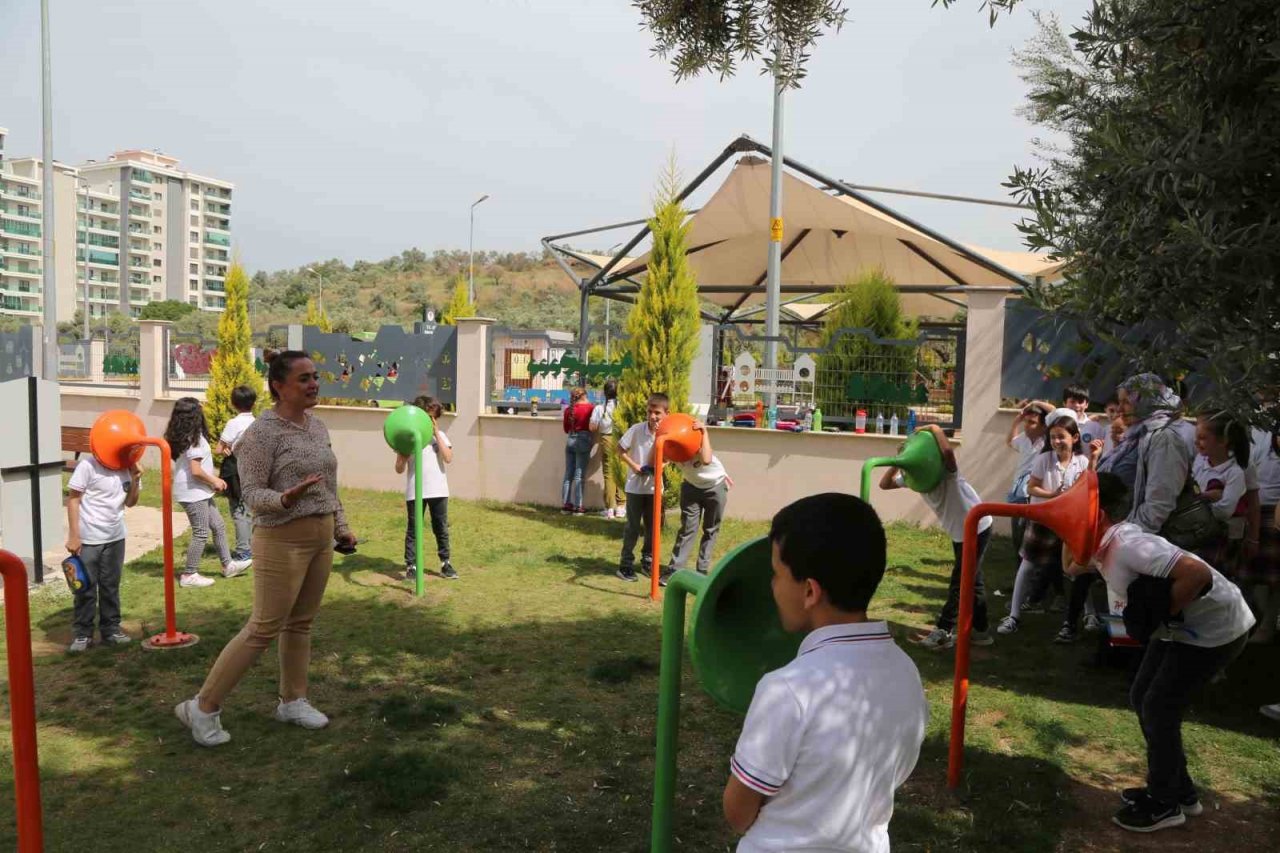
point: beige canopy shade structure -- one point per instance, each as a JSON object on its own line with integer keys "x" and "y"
{"x": 831, "y": 237}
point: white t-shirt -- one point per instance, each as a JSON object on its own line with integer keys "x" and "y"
{"x": 1091, "y": 430}
{"x": 1055, "y": 476}
{"x": 186, "y": 488}
{"x": 951, "y": 500}
{"x": 1228, "y": 476}
{"x": 434, "y": 482}
{"x": 1214, "y": 619}
{"x": 705, "y": 477}
{"x": 638, "y": 443}
{"x": 828, "y": 739}
{"x": 102, "y": 502}
{"x": 602, "y": 417}
{"x": 1264, "y": 464}
{"x": 1027, "y": 448}
{"x": 235, "y": 428}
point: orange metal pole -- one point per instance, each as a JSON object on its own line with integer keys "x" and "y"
{"x": 22, "y": 705}
{"x": 171, "y": 637}
{"x": 659, "y": 447}
{"x": 964, "y": 627}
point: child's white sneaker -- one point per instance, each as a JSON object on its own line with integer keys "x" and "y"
{"x": 301, "y": 713}
{"x": 206, "y": 729}
{"x": 236, "y": 568}
{"x": 195, "y": 579}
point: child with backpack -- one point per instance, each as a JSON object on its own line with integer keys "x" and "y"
{"x": 243, "y": 399}
{"x": 602, "y": 425}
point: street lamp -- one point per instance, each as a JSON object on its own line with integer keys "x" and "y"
{"x": 471, "y": 253}
{"x": 84, "y": 256}
{"x": 313, "y": 271}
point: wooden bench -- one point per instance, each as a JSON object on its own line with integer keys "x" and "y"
{"x": 74, "y": 440}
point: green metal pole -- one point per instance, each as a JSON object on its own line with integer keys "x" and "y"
{"x": 867, "y": 467}
{"x": 681, "y": 584}
{"x": 417, "y": 514}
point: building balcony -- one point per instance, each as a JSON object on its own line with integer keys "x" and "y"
{"x": 108, "y": 258}
{"x": 13, "y": 268}
{"x": 20, "y": 229}
{"x": 21, "y": 250}
{"x": 23, "y": 288}
{"x": 217, "y": 240}
{"x": 19, "y": 305}
{"x": 21, "y": 215}
{"x": 142, "y": 195}
{"x": 19, "y": 191}
{"x": 214, "y": 286}
{"x": 217, "y": 225}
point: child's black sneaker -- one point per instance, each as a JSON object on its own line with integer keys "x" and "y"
{"x": 411, "y": 573}
{"x": 448, "y": 572}
{"x": 1148, "y": 815}
{"x": 1191, "y": 806}
{"x": 627, "y": 575}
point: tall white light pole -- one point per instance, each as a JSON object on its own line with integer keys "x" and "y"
{"x": 50, "y": 294}
{"x": 84, "y": 257}
{"x": 314, "y": 272}
{"x": 471, "y": 253}
{"x": 773, "y": 288}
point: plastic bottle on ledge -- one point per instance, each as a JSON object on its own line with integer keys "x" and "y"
{"x": 760, "y": 414}
{"x": 860, "y": 420}
{"x": 817, "y": 420}
{"x": 880, "y": 423}
{"x": 773, "y": 417}
{"x": 911, "y": 421}
{"x": 808, "y": 419}
{"x": 533, "y": 408}
{"x": 893, "y": 424}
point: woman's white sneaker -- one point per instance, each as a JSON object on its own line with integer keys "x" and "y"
{"x": 195, "y": 579}
{"x": 1008, "y": 625}
{"x": 300, "y": 712}
{"x": 206, "y": 729}
{"x": 236, "y": 568}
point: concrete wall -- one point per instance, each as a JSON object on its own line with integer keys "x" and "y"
{"x": 521, "y": 458}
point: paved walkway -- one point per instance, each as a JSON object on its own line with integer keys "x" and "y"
{"x": 145, "y": 528}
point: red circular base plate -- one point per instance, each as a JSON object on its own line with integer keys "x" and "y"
{"x": 163, "y": 642}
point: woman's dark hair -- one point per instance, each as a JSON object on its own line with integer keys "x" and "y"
{"x": 430, "y": 405}
{"x": 279, "y": 363}
{"x": 837, "y": 540}
{"x": 611, "y": 389}
{"x": 577, "y": 394}
{"x": 1234, "y": 433}
{"x": 1070, "y": 425}
{"x": 186, "y": 426}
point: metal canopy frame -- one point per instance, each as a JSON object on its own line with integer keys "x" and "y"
{"x": 623, "y": 288}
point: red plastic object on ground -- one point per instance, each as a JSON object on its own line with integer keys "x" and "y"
{"x": 22, "y": 705}
{"x": 118, "y": 440}
{"x": 1074, "y": 517}
{"x": 676, "y": 441}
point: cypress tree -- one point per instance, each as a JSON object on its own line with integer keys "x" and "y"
{"x": 233, "y": 362}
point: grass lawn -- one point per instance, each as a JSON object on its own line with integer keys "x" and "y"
{"x": 514, "y": 710}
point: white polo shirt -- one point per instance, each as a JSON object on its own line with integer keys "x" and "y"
{"x": 1214, "y": 619}
{"x": 638, "y": 443}
{"x": 103, "y": 493}
{"x": 435, "y": 482}
{"x": 828, "y": 738}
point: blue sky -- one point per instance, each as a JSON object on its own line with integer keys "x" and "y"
{"x": 355, "y": 130}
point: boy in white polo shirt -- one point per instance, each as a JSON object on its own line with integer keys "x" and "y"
{"x": 830, "y": 736}
{"x": 1206, "y": 628}
{"x": 636, "y": 452}
{"x": 96, "y": 500}
{"x": 951, "y": 501}
{"x": 703, "y": 496}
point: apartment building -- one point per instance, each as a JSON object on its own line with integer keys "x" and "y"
{"x": 21, "y": 237}
{"x": 135, "y": 228}
{"x": 172, "y": 228}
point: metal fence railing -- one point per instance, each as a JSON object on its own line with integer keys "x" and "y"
{"x": 188, "y": 362}
{"x": 103, "y": 361}
{"x": 855, "y": 374}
